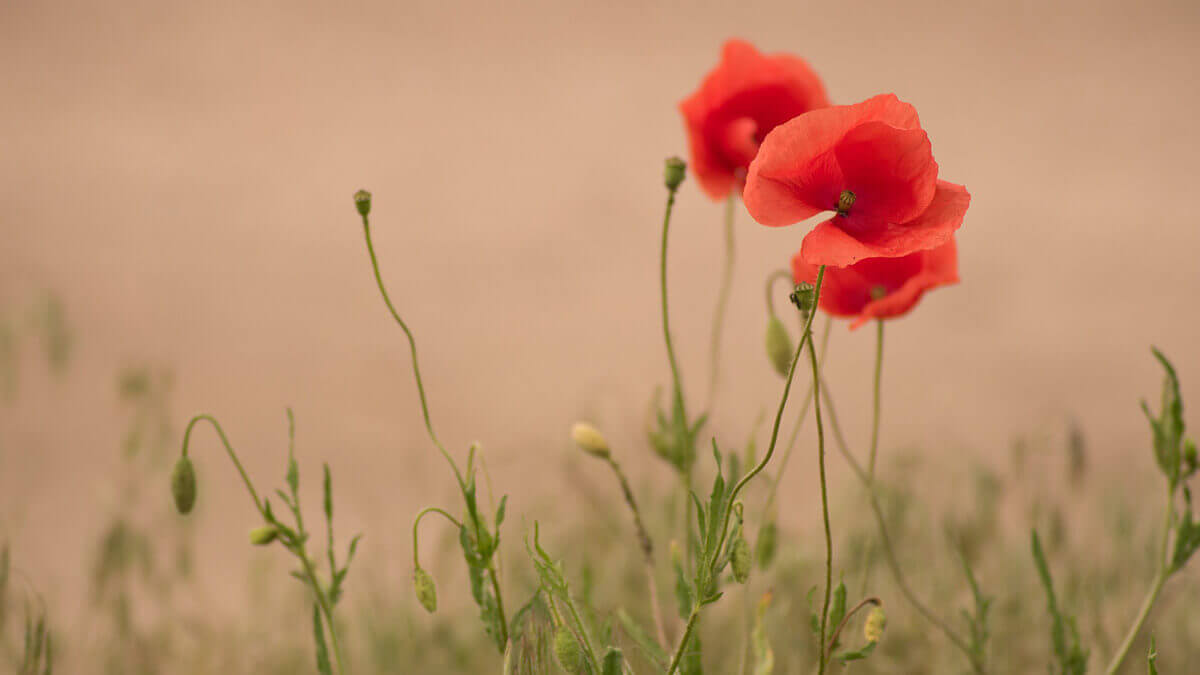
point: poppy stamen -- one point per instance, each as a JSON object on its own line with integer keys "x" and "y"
{"x": 844, "y": 202}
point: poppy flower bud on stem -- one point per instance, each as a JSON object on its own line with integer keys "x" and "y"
{"x": 426, "y": 589}
{"x": 876, "y": 622}
{"x": 362, "y": 202}
{"x": 567, "y": 651}
{"x": 183, "y": 485}
{"x": 590, "y": 440}
{"x": 263, "y": 536}
{"x": 802, "y": 296}
{"x": 674, "y": 172}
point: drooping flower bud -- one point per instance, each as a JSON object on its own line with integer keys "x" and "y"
{"x": 740, "y": 560}
{"x": 779, "y": 346}
{"x": 362, "y": 202}
{"x": 802, "y": 296}
{"x": 183, "y": 485}
{"x": 426, "y": 590}
{"x": 674, "y": 171}
{"x": 764, "y": 547}
{"x": 568, "y": 652}
{"x": 263, "y": 536}
{"x": 876, "y": 622}
{"x": 590, "y": 440}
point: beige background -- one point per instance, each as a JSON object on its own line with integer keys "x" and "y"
{"x": 182, "y": 173}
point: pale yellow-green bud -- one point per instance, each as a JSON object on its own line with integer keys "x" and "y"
{"x": 740, "y": 560}
{"x": 262, "y": 536}
{"x": 590, "y": 440}
{"x": 362, "y": 202}
{"x": 568, "y": 652}
{"x": 183, "y": 485}
{"x": 426, "y": 590}
{"x": 779, "y": 346}
{"x": 876, "y": 622}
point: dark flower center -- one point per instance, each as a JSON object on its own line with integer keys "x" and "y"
{"x": 845, "y": 201}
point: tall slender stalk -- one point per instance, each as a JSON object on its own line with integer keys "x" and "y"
{"x": 718, "y": 321}
{"x": 816, "y": 373}
{"x": 875, "y": 401}
{"x": 1160, "y": 578}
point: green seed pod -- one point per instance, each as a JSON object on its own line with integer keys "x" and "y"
{"x": 426, "y": 590}
{"x": 263, "y": 536}
{"x": 568, "y": 652}
{"x": 183, "y": 485}
{"x": 779, "y": 346}
{"x": 876, "y": 622}
{"x": 764, "y": 548}
{"x": 740, "y": 560}
{"x": 803, "y": 295}
{"x": 590, "y": 440}
{"x": 674, "y": 171}
{"x": 362, "y": 202}
{"x": 845, "y": 201}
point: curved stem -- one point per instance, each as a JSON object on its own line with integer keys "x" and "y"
{"x": 1160, "y": 578}
{"x": 187, "y": 435}
{"x": 876, "y": 399}
{"x": 417, "y": 523}
{"x": 412, "y": 345}
{"x": 837, "y": 632}
{"x": 885, "y": 539}
{"x": 770, "y": 287}
{"x": 791, "y": 444}
{"x": 805, "y": 336}
{"x": 718, "y": 322}
{"x": 662, "y": 279}
{"x": 816, "y": 373}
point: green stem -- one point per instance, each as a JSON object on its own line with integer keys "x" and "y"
{"x": 876, "y": 399}
{"x": 718, "y": 322}
{"x": 816, "y": 373}
{"x": 417, "y": 523}
{"x": 323, "y": 603}
{"x": 412, "y": 345}
{"x": 187, "y": 435}
{"x": 885, "y": 539}
{"x": 687, "y": 634}
{"x": 647, "y": 546}
{"x": 1160, "y": 578}
{"x": 791, "y": 444}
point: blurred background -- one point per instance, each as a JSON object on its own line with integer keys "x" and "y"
{"x": 179, "y": 176}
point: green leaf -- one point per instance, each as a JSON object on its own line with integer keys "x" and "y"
{"x": 614, "y": 662}
{"x": 328, "y": 495}
{"x": 857, "y": 654}
{"x": 1152, "y": 658}
{"x": 837, "y": 610}
{"x": 323, "y": 666}
{"x": 500, "y": 513}
{"x": 1071, "y": 656}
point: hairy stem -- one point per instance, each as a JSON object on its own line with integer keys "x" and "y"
{"x": 647, "y": 546}
{"x": 687, "y": 634}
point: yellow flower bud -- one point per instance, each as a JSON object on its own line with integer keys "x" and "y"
{"x": 876, "y": 622}
{"x": 262, "y": 536}
{"x": 590, "y": 440}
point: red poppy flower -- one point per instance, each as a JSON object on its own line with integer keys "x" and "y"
{"x": 872, "y": 165}
{"x": 747, "y": 95}
{"x": 881, "y": 288}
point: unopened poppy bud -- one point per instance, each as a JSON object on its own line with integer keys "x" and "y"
{"x": 764, "y": 548}
{"x": 590, "y": 440}
{"x": 262, "y": 536}
{"x": 183, "y": 485}
{"x": 802, "y": 296}
{"x": 426, "y": 590}
{"x": 876, "y": 622}
{"x": 845, "y": 201}
{"x": 779, "y": 346}
{"x": 740, "y": 560}
{"x": 674, "y": 171}
{"x": 362, "y": 202}
{"x": 567, "y": 651}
